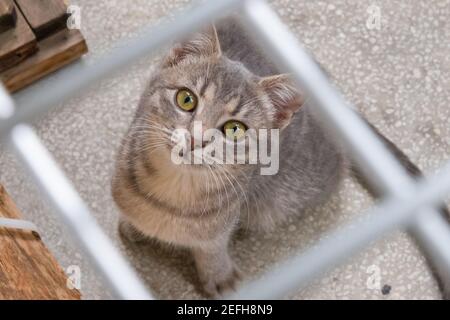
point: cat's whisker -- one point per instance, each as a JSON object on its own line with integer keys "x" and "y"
{"x": 226, "y": 191}
{"x": 149, "y": 122}
{"x": 231, "y": 184}
{"x": 217, "y": 185}
{"x": 228, "y": 174}
{"x": 152, "y": 130}
{"x": 152, "y": 147}
{"x": 207, "y": 195}
{"x": 157, "y": 124}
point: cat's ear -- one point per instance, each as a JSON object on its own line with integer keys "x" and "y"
{"x": 202, "y": 44}
{"x": 285, "y": 97}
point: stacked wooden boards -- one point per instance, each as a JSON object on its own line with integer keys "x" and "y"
{"x": 27, "y": 269}
{"x": 7, "y": 15}
{"x": 35, "y": 40}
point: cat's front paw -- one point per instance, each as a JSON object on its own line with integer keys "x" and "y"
{"x": 218, "y": 286}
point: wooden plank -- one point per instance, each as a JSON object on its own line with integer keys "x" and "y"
{"x": 54, "y": 52}
{"x": 45, "y": 17}
{"x": 27, "y": 269}
{"x": 7, "y": 15}
{"x": 16, "y": 44}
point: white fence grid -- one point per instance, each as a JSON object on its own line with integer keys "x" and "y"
{"x": 408, "y": 204}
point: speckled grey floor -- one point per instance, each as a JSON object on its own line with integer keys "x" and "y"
{"x": 398, "y": 76}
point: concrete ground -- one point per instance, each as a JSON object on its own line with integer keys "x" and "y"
{"x": 397, "y": 76}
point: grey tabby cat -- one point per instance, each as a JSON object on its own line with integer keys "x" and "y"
{"x": 222, "y": 77}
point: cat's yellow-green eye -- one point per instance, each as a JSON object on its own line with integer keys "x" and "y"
{"x": 186, "y": 100}
{"x": 234, "y": 130}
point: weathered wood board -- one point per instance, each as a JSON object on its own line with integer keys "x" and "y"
{"x": 7, "y": 15}
{"x": 45, "y": 17}
{"x": 54, "y": 52}
{"x": 16, "y": 44}
{"x": 39, "y": 44}
{"x": 27, "y": 269}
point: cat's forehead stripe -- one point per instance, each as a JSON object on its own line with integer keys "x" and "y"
{"x": 203, "y": 88}
{"x": 232, "y": 105}
{"x": 207, "y": 96}
{"x": 210, "y": 91}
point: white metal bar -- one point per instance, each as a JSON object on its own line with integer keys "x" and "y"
{"x": 36, "y": 100}
{"x": 76, "y": 216}
{"x": 339, "y": 245}
{"x": 6, "y": 104}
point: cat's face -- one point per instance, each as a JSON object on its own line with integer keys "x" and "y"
{"x": 196, "y": 84}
